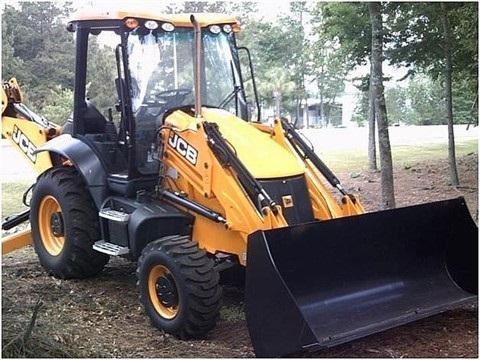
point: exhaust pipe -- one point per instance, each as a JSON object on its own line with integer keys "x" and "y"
{"x": 197, "y": 65}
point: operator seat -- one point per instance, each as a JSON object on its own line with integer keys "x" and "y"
{"x": 95, "y": 122}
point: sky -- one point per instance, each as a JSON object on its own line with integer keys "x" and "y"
{"x": 268, "y": 9}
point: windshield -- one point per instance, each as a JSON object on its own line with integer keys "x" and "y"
{"x": 161, "y": 68}
{"x": 162, "y": 77}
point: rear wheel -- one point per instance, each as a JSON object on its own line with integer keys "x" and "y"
{"x": 65, "y": 225}
{"x": 179, "y": 287}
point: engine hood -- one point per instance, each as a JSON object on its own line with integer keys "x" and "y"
{"x": 261, "y": 155}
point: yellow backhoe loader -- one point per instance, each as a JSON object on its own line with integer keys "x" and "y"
{"x": 177, "y": 175}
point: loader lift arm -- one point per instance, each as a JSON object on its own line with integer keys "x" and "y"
{"x": 227, "y": 157}
{"x": 305, "y": 152}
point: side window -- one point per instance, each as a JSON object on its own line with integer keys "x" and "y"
{"x": 101, "y": 73}
{"x": 101, "y": 98}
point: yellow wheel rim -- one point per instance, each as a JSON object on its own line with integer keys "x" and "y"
{"x": 162, "y": 291}
{"x": 50, "y": 224}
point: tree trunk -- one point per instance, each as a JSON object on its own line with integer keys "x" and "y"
{"x": 372, "y": 145}
{"x": 386, "y": 165}
{"x": 448, "y": 96}
{"x": 321, "y": 86}
{"x": 298, "y": 108}
{"x": 306, "y": 116}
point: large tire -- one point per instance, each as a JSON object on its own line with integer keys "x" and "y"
{"x": 178, "y": 287}
{"x": 65, "y": 225}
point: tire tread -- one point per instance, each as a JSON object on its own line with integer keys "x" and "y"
{"x": 200, "y": 278}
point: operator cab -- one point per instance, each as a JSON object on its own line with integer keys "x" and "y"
{"x": 152, "y": 74}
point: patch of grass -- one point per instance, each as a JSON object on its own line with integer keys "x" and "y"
{"x": 431, "y": 151}
{"x": 12, "y": 194}
{"x": 345, "y": 160}
{"x": 232, "y": 314}
{"x": 355, "y": 160}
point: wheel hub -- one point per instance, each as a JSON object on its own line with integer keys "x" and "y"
{"x": 56, "y": 223}
{"x": 166, "y": 291}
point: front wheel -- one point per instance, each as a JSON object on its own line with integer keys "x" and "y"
{"x": 179, "y": 287}
{"x": 65, "y": 225}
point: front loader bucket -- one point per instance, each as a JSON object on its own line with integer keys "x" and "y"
{"x": 325, "y": 283}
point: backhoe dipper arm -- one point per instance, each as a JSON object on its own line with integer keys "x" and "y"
{"x": 26, "y": 130}
{"x": 12, "y": 97}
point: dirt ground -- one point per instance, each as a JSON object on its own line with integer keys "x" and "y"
{"x": 102, "y": 317}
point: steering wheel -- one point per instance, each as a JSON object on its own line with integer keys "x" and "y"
{"x": 170, "y": 95}
{"x": 163, "y": 100}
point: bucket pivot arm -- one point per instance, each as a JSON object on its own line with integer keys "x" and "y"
{"x": 306, "y": 152}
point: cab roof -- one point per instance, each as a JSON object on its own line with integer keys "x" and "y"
{"x": 183, "y": 20}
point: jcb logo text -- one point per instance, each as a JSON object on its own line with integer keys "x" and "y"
{"x": 24, "y": 143}
{"x": 183, "y": 148}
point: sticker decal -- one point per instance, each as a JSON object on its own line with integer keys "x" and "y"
{"x": 287, "y": 201}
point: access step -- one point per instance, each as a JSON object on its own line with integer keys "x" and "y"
{"x": 114, "y": 215}
{"x": 110, "y": 249}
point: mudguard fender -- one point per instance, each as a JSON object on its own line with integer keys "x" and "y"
{"x": 84, "y": 159}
